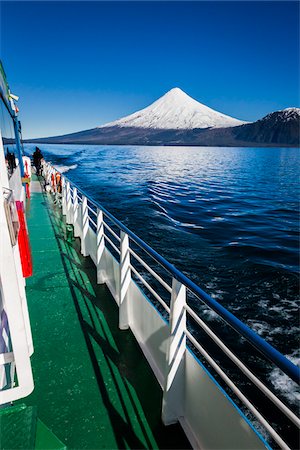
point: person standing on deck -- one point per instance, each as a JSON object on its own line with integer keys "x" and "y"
{"x": 11, "y": 161}
{"x": 37, "y": 158}
{"x": 8, "y": 162}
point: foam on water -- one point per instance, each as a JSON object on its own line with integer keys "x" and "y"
{"x": 282, "y": 383}
{"x": 64, "y": 169}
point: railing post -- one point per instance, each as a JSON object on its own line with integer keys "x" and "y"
{"x": 125, "y": 277}
{"x": 69, "y": 202}
{"x": 55, "y": 187}
{"x": 75, "y": 213}
{"x": 63, "y": 192}
{"x": 84, "y": 226}
{"x": 47, "y": 173}
{"x": 175, "y": 364}
{"x": 101, "y": 270}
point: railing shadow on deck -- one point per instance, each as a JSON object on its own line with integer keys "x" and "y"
{"x": 98, "y": 316}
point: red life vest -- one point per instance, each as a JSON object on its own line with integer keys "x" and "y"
{"x": 23, "y": 241}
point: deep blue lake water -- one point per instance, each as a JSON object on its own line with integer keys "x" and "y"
{"x": 227, "y": 217}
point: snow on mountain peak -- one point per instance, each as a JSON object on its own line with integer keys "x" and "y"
{"x": 292, "y": 110}
{"x": 176, "y": 110}
{"x": 286, "y": 115}
{"x": 175, "y": 92}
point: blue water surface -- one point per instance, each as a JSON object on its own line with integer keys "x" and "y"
{"x": 227, "y": 217}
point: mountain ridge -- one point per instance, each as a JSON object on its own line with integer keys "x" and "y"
{"x": 177, "y": 119}
{"x": 273, "y": 128}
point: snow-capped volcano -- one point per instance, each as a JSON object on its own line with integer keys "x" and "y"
{"x": 177, "y": 119}
{"x": 176, "y": 111}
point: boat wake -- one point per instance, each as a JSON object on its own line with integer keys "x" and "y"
{"x": 282, "y": 383}
{"x": 64, "y": 169}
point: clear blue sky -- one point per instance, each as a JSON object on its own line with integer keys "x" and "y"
{"x": 77, "y": 65}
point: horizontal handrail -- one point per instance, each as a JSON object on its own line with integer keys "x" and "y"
{"x": 148, "y": 268}
{"x": 150, "y": 288}
{"x": 237, "y": 392}
{"x": 91, "y": 220}
{"x": 243, "y": 368}
{"x": 112, "y": 244}
{"x": 112, "y": 232}
{"x": 259, "y": 343}
{"x": 91, "y": 209}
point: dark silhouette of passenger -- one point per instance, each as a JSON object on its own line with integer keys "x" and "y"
{"x": 7, "y": 161}
{"x": 37, "y": 159}
{"x": 11, "y": 161}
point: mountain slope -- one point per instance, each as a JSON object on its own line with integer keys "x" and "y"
{"x": 175, "y": 111}
{"x": 278, "y": 127}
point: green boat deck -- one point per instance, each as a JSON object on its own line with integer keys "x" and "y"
{"x": 93, "y": 387}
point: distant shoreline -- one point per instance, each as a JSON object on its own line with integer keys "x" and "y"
{"x": 248, "y": 145}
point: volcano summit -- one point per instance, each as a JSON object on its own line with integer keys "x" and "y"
{"x": 176, "y": 111}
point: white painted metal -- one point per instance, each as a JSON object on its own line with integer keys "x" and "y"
{"x": 112, "y": 244}
{"x": 6, "y": 358}
{"x": 15, "y": 329}
{"x": 92, "y": 221}
{"x": 112, "y": 232}
{"x": 173, "y": 396}
{"x": 68, "y": 202}
{"x": 148, "y": 268}
{"x": 100, "y": 248}
{"x": 244, "y": 369}
{"x": 15, "y": 185}
{"x": 210, "y": 420}
{"x": 92, "y": 245}
{"x": 92, "y": 211}
{"x": 150, "y": 289}
{"x": 237, "y": 392}
{"x": 150, "y": 330}
{"x": 64, "y": 194}
{"x": 85, "y": 227}
{"x": 75, "y": 213}
{"x": 125, "y": 277}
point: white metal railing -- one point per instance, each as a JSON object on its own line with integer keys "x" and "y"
{"x": 80, "y": 209}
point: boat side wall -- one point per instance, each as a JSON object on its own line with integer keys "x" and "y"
{"x": 16, "y": 345}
